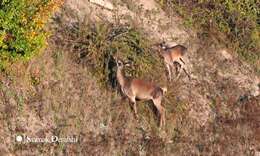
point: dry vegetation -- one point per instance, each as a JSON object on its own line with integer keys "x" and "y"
{"x": 70, "y": 90}
{"x": 233, "y": 23}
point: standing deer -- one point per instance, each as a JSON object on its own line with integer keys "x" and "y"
{"x": 173, "y": 56}
{"x": 135, "y": 88}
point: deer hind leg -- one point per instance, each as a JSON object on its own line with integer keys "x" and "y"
{"x": 183, "y": 66}
{"x": 182, "y": 61}
{"x": 161, "y": 110}
{"x": 186, "y": 73}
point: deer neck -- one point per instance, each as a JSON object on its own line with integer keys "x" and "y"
{"x": 162, "y": 53}
{"x": 120, "y": 76}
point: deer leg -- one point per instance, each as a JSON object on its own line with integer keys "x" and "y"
{"x": 163, "y": 116}
{"x": 161, "y": 110}
{"x": 187, "y": 73}
{"x": 169, "y": 71}
{"x": 182, "y": 61}
{"x": 175, "y": 65}
{"x": 178, "y": 67}
{"x": 183, "y": 67}
{"x": 132, "y": 99}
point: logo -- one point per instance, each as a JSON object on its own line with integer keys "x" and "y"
{"x": 52, "y": 139}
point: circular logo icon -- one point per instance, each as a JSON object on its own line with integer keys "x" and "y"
{"x": 19, "y": 138}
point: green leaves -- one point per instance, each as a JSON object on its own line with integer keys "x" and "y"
{"x": 21, "y": 28}
{"x": 96, "y": 43}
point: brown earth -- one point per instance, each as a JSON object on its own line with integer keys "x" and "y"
{"x": 216, "y": 113}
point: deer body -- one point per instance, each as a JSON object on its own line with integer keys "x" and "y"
{"x": 174, "y": 56}
{"x": 135, "y": 88}
{"x": 174, "y": 53}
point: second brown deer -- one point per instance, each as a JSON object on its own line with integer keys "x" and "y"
{"x": 135, "y": 88}
{"x": 173, "y": 56}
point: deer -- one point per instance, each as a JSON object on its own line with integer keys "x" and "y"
{"x": 134, "y": 88}
{"x": 173, "y": 56}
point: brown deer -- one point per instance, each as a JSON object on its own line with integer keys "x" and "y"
{"x": 135, "y": 88}
{"x": 173, "y": 56}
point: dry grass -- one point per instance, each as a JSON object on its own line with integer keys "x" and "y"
{"x": 58, "y": 93}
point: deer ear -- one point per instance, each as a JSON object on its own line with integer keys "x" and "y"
{"x": 128, "y": 63}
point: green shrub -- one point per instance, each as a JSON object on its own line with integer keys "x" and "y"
{"x": 128, "y": 43}
{"x": 237, "y": 21}
{"x": 96, "y": 43}
{"x": 22, "y": 32}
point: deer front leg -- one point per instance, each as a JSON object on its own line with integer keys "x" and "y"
{"x": 161, "y": 110}
{"x": 162, "y": 116}
{"x": 133, "y": 101}
{"x": 177, "y": 67}
{"x": 169, "y": 71}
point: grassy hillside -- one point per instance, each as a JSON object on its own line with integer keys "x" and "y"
{"x": 234, "y": 23}
{"x": 70, "y": 90}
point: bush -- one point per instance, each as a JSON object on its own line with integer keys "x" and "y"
{"x": 94, "y": 44}
{"x": 22, "y": 32}
{"x": 128, "y": 43}
{"x": 237, "y": 21}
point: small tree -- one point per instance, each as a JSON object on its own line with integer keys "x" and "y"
{"x": 22, "y": 32}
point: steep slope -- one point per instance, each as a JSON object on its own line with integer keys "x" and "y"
{"x": 207, "y": 63}
{"x": 57, "y": 93}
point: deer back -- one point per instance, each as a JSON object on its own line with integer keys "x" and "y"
{"x": 174, "y": 53}
{"x": 145, "y": 90}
